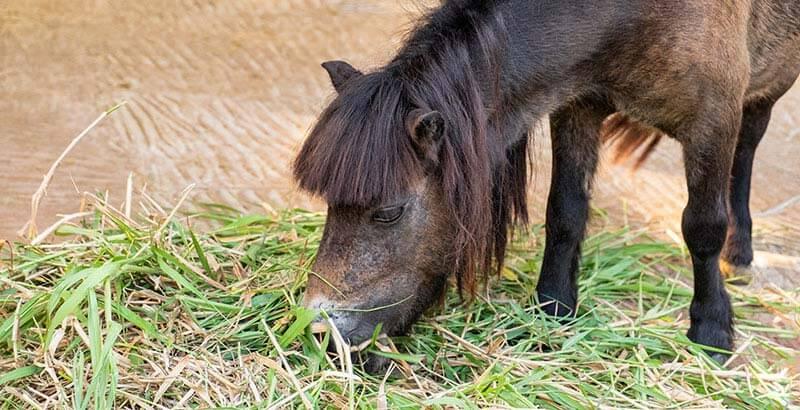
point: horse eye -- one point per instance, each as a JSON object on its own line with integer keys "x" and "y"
{"x": 388, "y": 215}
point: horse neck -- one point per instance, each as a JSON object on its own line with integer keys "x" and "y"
{"x": 545, "y": 55}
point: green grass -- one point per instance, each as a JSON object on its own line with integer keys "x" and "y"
{"x": 154, "y": 314}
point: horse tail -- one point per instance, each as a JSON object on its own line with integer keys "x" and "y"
{"x": 629, "y": 139}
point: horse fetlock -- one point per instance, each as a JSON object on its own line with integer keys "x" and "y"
{"x": 735, "y": 260}
{"x": 738, "y": 251}
{"x": 712, "y": 324}
{"x": 372, "y": 363}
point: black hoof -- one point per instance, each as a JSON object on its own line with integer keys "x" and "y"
{"x": 562, "y": 311}
{"x": 713, "y": 327}
{"x": 717, "y": 339}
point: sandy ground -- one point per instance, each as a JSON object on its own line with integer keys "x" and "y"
{"x": 221, "y": 93}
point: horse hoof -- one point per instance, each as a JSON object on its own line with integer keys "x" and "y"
{"x": 715, "y": 332}
{"x": 736, "y": 275}
{"x": 555, "y": 309}
{"x": 718, "y": 357}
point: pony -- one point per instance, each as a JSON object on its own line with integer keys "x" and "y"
{"x": 424, "y": 162}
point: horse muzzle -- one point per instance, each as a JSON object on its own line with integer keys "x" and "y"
{"x": 353, "y": 325}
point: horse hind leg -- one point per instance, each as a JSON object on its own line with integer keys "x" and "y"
{"x": 737, "y": 255}
{"x": 738, "y": 251}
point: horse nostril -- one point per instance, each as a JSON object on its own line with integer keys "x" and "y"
{"x": 326, "y": 313}
{"x": 326, "y": 317}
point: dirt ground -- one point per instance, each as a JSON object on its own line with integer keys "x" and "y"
{"x": 221, "y": 93}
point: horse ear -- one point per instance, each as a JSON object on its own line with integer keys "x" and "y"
{"x": 340, "y": 72}
{"x": 426, "y": 129}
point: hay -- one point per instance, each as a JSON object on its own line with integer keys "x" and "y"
{"x": 151, "y": 314}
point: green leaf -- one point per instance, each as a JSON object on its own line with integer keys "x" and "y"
{"x": 178, "y": 278}
{"x": 27, "y": 312}
{"x": 74, "y": 302}
{"x": 411, "y": 358}
{"x": 304, "y": 317}
{"x": 200, "y": 253}
{"x": 95, "y": 341}
{"x": 19, "y": 373}
{"x": 138, "y": 321}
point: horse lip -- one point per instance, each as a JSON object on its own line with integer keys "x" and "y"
{"x": 354, "y": 323}
{"x": 352, "y": 330}
{"x": 357, "y": 333}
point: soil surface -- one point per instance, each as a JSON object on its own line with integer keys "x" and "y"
{"x": 220, "y": 94}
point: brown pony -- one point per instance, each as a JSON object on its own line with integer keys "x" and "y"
{"x": 423, "y": 163}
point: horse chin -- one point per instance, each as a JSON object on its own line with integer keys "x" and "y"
{"x": 375, "y": 364}
{"x": 371, "y": 363}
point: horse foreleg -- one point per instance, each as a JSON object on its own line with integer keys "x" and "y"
{"x": 708, "y": 147}
{"x": 574, "y": 131}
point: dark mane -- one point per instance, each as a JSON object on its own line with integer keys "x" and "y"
{"x": 359, "y": 152}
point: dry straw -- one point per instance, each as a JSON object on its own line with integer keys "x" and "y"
{"x": 29, "y": 228}
{"x": 154, "y": 315}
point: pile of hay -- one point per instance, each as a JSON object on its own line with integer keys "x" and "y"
{"x": 152, "y": 313}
